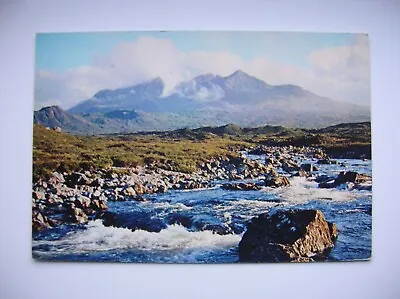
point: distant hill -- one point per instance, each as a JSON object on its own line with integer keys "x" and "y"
{"x": 54, "y": 116}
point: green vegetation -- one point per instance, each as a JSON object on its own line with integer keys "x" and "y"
{"x": 182, "y": 150}
{"x": 63, "y": 152}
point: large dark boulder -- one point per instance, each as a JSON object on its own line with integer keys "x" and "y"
{"x": 133, "y": 221}
{"x": 347, "y": 177}
{"x": 287, "y": 236}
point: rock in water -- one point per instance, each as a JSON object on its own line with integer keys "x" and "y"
{"x": 308, "y": 167}
{"x": 272, "y": 179}
{"x": 39, "y": 221}
{"x": 241, "y": 186}
{"x": 76, "y": 215}
{"x": 347, "y": 177}
{"x": 287, "y": 236}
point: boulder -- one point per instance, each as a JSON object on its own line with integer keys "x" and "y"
{"x": 139, "y": 189}
{"x": 319, "y": 154}
{"x": 38, "y": 195}
{"x": 272, "y": 179}
{"x": 308, "y": 167}
{"x": 98, "y": 205}
{"x": 129, "y": 191}
{"x": 287, "y": 236}
{"x": 77, "y": 178}
{"x": 56, "y": 178}
{"x": 96, "y": 194}
{"x": 327, "y": 161}
{"x": 346, "y": 177}
{"x": 290, "y": 166}
{"x": 82, "y": 201}
{"x": 241, "y": 186}
{"x": 98, "y": 182}
{"x": 39, "y": 221}
{"x": 270, "y": 160}
{"x": 134, "y": 221}
{"x": 277, "y": 182}
{"x": 77, "y": 215}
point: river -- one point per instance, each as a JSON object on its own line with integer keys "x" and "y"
{"x": 175, "y": 226}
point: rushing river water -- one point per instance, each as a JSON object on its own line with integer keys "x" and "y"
{"x": 163, "y": 238}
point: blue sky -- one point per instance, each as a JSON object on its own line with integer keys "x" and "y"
{"x": 72, "y": 67}
{"x": 62, "y": 51}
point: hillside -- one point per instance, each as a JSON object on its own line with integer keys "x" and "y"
{"x": 54, "y": 116}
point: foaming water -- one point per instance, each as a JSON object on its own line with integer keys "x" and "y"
{"x": 175, "y": 242}
{"x": 302, "y": 190}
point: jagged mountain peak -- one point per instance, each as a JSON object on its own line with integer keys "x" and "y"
{"x": 240, "y": 81}
{"x": 238, "y": 73}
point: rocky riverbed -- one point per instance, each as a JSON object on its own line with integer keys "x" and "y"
{"x": 87, "y": 197}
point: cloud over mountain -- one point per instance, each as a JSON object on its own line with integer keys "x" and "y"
{"x": 341, "y": 73}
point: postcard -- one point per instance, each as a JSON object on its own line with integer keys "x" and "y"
{"x": 202, "y": 147}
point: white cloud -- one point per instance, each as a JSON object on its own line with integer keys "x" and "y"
{"x": 341, "y": 73}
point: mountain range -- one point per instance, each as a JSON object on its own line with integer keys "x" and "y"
{"x": 206, "y": 100}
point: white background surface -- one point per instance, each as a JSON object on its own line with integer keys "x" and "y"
{"x": 21, "y": 277}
